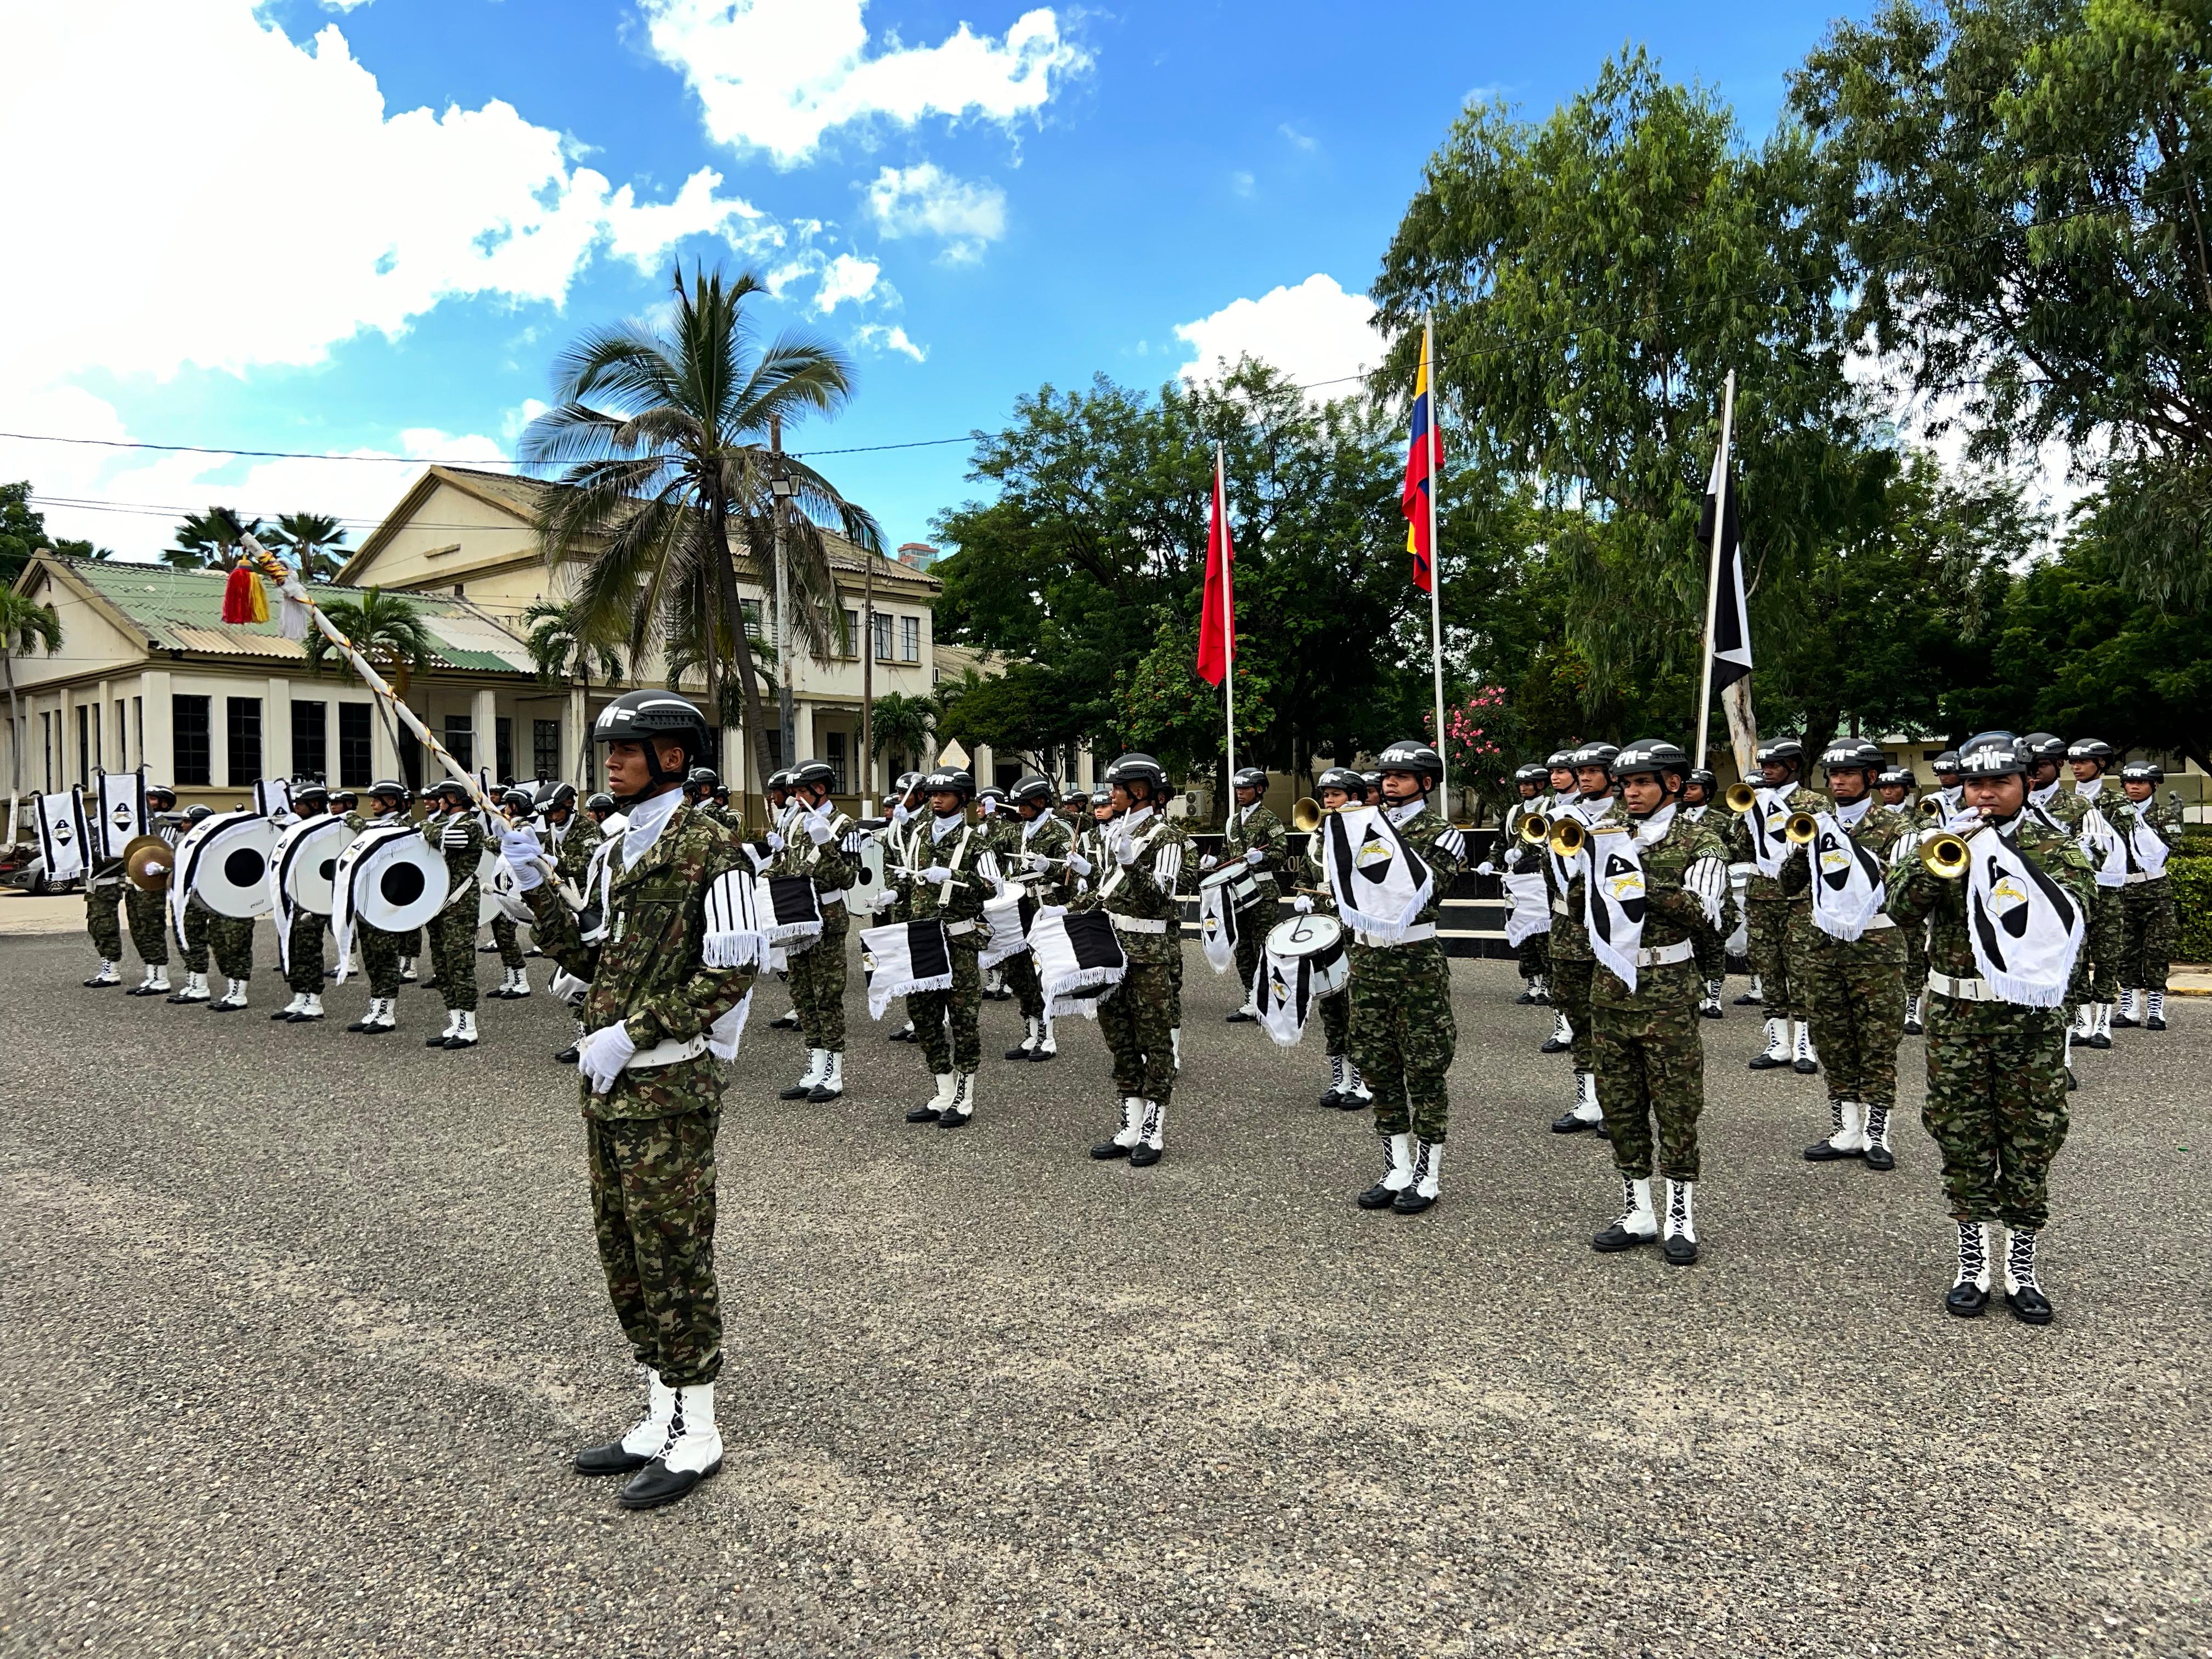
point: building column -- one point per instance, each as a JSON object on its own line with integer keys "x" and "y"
{"x": 574, "y": 730}
{"x": 161, "y": 756}
{"x": 383, "y": 752}
{"x": 484, "y": 731}
{"x": 276, "y": 729}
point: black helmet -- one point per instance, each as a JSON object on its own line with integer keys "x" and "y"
{"x": 701, "y": 777}
{"x": 638, "y": 715}
{"x": 1372, "y": 780}
{"x": 386, "y": 787}
{"x": 1101, "y": 796}
{"x": 1033, "y": 790}
{"x": 601, "y": 802}
{"x": 1704, "y": 779}
{"x": 1947, "y": 762}
{"x": 779, "y": 780}
{"x": 1072, "y": 793}
{"x": 948, "y": 780}
{"x": 1138, "y": 768}
{"x": 1993, "y": 755}
{"x": 2142, "y": 772}
{"x": 555, "y": 796}
{"x": 2091, "y": 749}
{"x": 1531, "y": 774}
{"x": 1560, "y": 760}
{"x": 344, "y": 798}
{"x": 1894, "y": 777}
{"x": 1592, "y": 754}
{"x": 1654, "y": 755}
{"x": 807, "y": 773}
{"x": 162, "y": 792}
{"x": 452, "y": 789}
{"x": 518, "y": 799}
{"x": 306, "y": 789}
{"x": 1850, "y": 754}
{"x": 1344, "y": 778}
{"x": 197, "y": 813}
{"x": 1784, "y": 751}
{"x": 992, "y": 793}
{"x": 1249, "y": 777}
{"x": 2043, "y": 747}
{"x": 1411, "y": 755}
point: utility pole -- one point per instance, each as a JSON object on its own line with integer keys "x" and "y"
{"x": 780, "y": 488}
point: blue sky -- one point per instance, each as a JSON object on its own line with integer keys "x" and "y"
{"x": 368, "y": 227}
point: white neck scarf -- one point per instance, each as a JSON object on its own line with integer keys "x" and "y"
{"x": 2046, "y": 794}
{"x": 1405, "y": 812}
{"x": 2149, "y": 847}
{"x": 2026, "y": 930}
{"x": 1847, "y": 880}
{"x": 2091, "y": 788}
{"x": 647, "y": 820}
{"x": 1851, "y": 812}
{"x": 940, "y": 827}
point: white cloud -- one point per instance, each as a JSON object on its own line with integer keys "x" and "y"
{"x": 924, "y": 200}
{"x": 1298, "y": 140}
{"x": 230, "y": 232}
{"x": 846, "y": 277}
{"x": 893, "y": 338}
{"x": 776, "y": 75}
{"x": 514, "y": 422}
{"x": 1316, "y": 333}
{"x": 342, "y": 5}
{"x": 1243, "y": 182}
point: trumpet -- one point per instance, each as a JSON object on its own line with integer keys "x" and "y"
{"x": 1930, "y": 806}
{"x": 1945, "y": 855}
{"x": 1800, "y": 827}
{"x": 1535, "y": 829}
{"x": 1567, "y": 837}
{"x": 1305, "y": 814}
{"x": 1740, "y": 797}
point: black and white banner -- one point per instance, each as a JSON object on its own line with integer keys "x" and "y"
{"x": 2149, "y": 847}
{"x": 1002, "y": 917}
{"x": 1731, "y": 659}
{"x": 1217, "y": 927}
{"x": 905, "y": 958}
{"x": 58, "y": 819}
{"x": 1847, "y": 881}
{"x": 1532, "y": 907}
{"x": 2025, "y": 928}
{"x": 1080, "y": 960}
{"x": 731, "y": 932}
{"x": 788, "y": 909}
{"x": 1380, "y": 884}
{"x": 122, "y": 811}
{"x": 1616, "y": 901}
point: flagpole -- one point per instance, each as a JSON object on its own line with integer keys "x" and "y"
{"x": 1713, "y": 567}
{"x": 1436, "y": 550}
{"x": 1220, "y": 516}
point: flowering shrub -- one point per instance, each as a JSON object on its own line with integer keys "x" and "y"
{"x": 1472, "y": 745}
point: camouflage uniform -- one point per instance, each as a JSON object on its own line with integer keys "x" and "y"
{"x": 1854, "y": 993}
{"x": 1336, "y": 1011}
{"x": 1141, "y": 1014}
{"x": 459, "y": 839}
{"x": 1403, "y": 1034}
{"x": 1778, "y": 911}
{"x": 2146, "y": 911}
{"x": 965, "y": 850}
{"x": 150, "y": 925}
{"x": 1048, "y": 838}
{"x": 1996, "y": 1072}
{"x": 817, "y": 971}
{"x": 1709, "y": 945}
{"x": 304, "y": 950}
{"x": 103, "y": 903}
{"x": 1248, "y": 827}
{"x": 232, "y": 940}
{"x": 1534, "y": 954}
{"x": 193, "y": 937}
{"x": 1650, "y": 1055}
{"x": 2097, "y": 975}
{"x": 506, "y": 939}
{"x": 649, "y": 1140}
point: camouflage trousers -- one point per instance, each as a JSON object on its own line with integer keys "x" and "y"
{"x": 1854, "y": 997}
{"x": 2146, "y": 933}
{"x": 231, "y": 938}
{"x": 1709, "y": 949}
{"x": 1571, "y": 995}
{"x": 148, "y": 914}
{"x": 1253, "y": 922}
{"x": 103, "y": 919}
{"x": 508, "y": 938}
{"x": 1781, "y": 938}
{"x": 303, "y": 946}
{"x": 452, "y": 939}
{"x": 1403, "y": 1034}
{"x": 1137, "y": 1018}
{"x": 1336, "y": 1022}
{"x": 380, "y": 958}
{"x": 817, "y": 983}
{"x": 2097, "y": 968}
{"x": 958, "y": 1010}
{"x": 1651, "y": 1073}
{"x": 652, "y": 1207}
{"x": 1996, "y": 1106}
{"x": 1915, "y": 954}
{"x": 1021, "y": 973}
{"x": 193, "y": 938}
{"x": 1534, "y": 956}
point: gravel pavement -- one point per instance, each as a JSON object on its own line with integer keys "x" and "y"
{"x": 298, "y": 1330}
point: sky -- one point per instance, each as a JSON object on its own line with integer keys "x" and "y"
{"x": 356, "y": 229}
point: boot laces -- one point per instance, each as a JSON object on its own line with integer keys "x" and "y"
{"x": 2020, "y": 1259}
{"x": 1627, "y": 1201}
{"x": 1973, "y": 1259}
{"x": 1677, "y": 1203}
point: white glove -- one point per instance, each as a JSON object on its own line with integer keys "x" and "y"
{"x": 774, "y": 841}
{"x": 938, "y": 873}
{"x": 899, "y": 812}
{"x": 1079, "y": 863}
{"x": 1302, "y": 904}
{"x": 1959, "y": 823}
{"x": 567, "y": 989}
{"x": 525, "y": 856}
{"x": 601, "y": 1055}
{"x": 1257, "y": 855}
{"x": 1208, "y": 862}
{"x": 818, "y": 831}
{"x": 1125, "y": 853}
{"x": 1486, "y": 868}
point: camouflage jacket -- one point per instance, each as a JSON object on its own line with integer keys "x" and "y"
{"x": 1672, "y": 912}
{"x": 580, "y": 838}
{"x": 459, "y": 839}
{"x": 647, "y": 971}
{"x": 1795, "y": 881}
{"x": 966, "y": 851}
{"x": 834, "y": 865}
{"x": 1147, "y": 889}
{"x": 1916, "y": 894}
{"x": 1258, "y": 828}
{"x": 2063, "y": 807}
{"x": 1049, "y": 837}
{"x": 1437, "y": 845}
{"x": 2162, "y": 814}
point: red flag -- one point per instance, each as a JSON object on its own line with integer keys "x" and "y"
{"x": 1217, "y": 625}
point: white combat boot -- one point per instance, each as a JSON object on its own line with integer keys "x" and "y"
{"x": 1912, "y": 1027}
{"x": 1427, "y": 1182}
{"x": 1397, "y": 1173}
{"x": 1776, "y": 1052}
{"x": 2085, "y": 1021}
{"x": 1970, "y": 1285}
{"x": 407, "y": 970}
{"x": 962, "y": 1108}
{"x": 195, "y": 988}
{"x": 1636, "y": 1224}
{"x": 692, "y": 1452}
{"x": 104, "y": 978}
{"x": 299, "y": 997}
{"x": 1048, "y": 1044}
{"x": 2101, "y": 1035}
{"x": 464, "y": 1030}
{"x": 1804, "y": 1059}
{"x": 1126, "y": 1137}
{"x": 234, "y": 995}
{"x": 1151, "y": 1135}
{"x": 1846, "y": 1133}
{"x": 521, "y": 983}
{"x": 311, "y": 1008}
{"x": 2154, "y": 1017}
{"x": 160, "y": 982}
{"x": 818, "y": 1063}
{"x": 1585, "y": 1114}
{"x": 1710, "y": 1003}
{"x": 937, "y": 1103}
{"x": 453, "y": 1025}
{"x": 638, "y": 1448}
{"x": 1357, "y": 1094}
{"x": 2022, "y": 1291}
{"x": 1027, "y": 1046}
{"x": 833, "y": 1077}
{"x": 1562, "y": 1037}
{"x": 145, "y": 981}
{"x": 1680, "y": 1239}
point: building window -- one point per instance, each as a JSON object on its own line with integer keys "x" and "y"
{"x": 909, "y": 639}
{"x": 460, "y": 740}
{"x": 311, "y": 741}
{"x": 242, "y": 726}
{"x": 356, "y": 748}
{"x": 502, "y": 741}
{"x": 46, "y": 743}
{"x": 545, "y": 747}
{"x": 852, "y": 645}
{"x": 138, "y": 728}
{"x": 750, "y": 609}
{"x": 833, "y": 753}
{"x": 883, "y": 636}
{"x": 83, "y": 745}
{"x": 189, "y": 727}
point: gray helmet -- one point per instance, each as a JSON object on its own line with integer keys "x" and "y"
{"x": 1947, "y": 762}
{"x": 780, "y": 780}
{"x": 1249, "y": 777}
{"x": 1894, "y": 777}
{"x": 162, "y": 792}
{"x": 197, "y": 813}
{"x": 1411, "y": 755}
{"x": 452, "y": 789}
{"x": 1993, "y": 755}
{"x": 555, "y": 796}
{"x": 1101, "y": 796}
{"x": 641, "y": 715}
{"x": 1784, "y": 751}
{"x": 1852, "y": 754}
{"x": 387, "y": 787}
{"x": 1074, "y": 793}
{"x": 1704, "y": 779}
{"x": 311, "y": 789}
{"x": 1532, "y": 774}
{"x": 1654, "y": 755}
{"x": 1034, "y": 790}
{"x": 2142, "y": 772}
{"x": 2044, "y": 747}
{"x": 2091, "y": 749}
{"x": 808, "y": 774}
{"x": 345, "y": 798}
{"x": 701, "y": 777}
{"x": 1559, "y": 760}
{"x": 601, "y": 803}
{"x": 1344, "y": 778}
{"x": 1138, "y": 768}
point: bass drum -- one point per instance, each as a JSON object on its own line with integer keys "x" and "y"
{"x": 304, "y": 863}
{"x": 389, "y": 878}
{"x": 224, "y": 864}
{"x": 1318, "y": 941}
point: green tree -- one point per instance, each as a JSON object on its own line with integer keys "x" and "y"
{"x": 23, "y": 533}
{"x": 2021, "y": 194}
{"x": 902, "y": 723}
{"x": 315, "y": 540}
{"x": 212, "y": 540}
{"x": 25, "y": 627}
{"x": 670, "y": 480}
{"x": 388, "y": 631}
{"x": 563, "y": 648}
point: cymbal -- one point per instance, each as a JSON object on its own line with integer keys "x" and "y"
{"x": 149, "y": 862}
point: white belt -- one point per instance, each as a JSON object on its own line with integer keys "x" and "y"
{"x": 954, "y": 929}
{"x": 1558, "y": 907}
{"x": 1662, "y": 956}
{"x": 1962, "y": 990}
{"x": 1417, "y": 934}
{"x": 666, "y": 1052}
{"x": 1136, "y": 924}
{"x": 2135, "y": 876}
{"x": 829, "y": 895}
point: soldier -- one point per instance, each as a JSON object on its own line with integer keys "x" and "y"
{"x": 460, "y": 838}
{"x": 599, "y": 808}
{"x": 1572, "y": 963}
{"x": 1778, "y": 904}
{"x": 822, "y": 844}
{"x": 1139, "y": 858}
{"x": 1855, "y": 972}
{"x": 778, "y": 789}
{"x": 2063, "y": 810}
{"x": 2089, "y": 759}
{"x": 1255, "y": 836}
{"x": 147, "y": 911}
{"x": 103, "y": 919}
{"x": 952, "y": 870}
{"x": 231, "y": 940}
{"x": 1075, "y": 807}
{"x": 1402, "y": 1029}
{"x": 1335, "y": 789}
{"x": 650, "y": 1089}
{"x": 1896, "y": 785}
{"x": 1037, "y": 857}
{"x": 699, "y": 787}
{"x": 900, "y": 842}
{"x": 1533, "y": 956}
{"x": 1650, "y": 1056}
{"x": 2147, "y": 897}
{"x": 1948, "y": 782}
{"x": 1699, "y": 791}
{"x": 517, "y": 806}
{"x": 192, "y": 934}
{"x": 383, "y": 955}
{"x": 303, "y": 942}
{"x": 571, "y": 836}
{"x": 1997, "y": 1084}
{"x": 996, "y": 822}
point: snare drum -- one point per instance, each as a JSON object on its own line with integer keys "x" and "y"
{"x": 1236, "y": 884}
{"x": 1317, "y": 941}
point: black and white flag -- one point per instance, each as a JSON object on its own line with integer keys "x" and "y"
{"x": 1616, "y": 901}
{"x": 1079, "y": 959}
{"x": 1731, "y": 641}
{"x": 903, "y": 958}
{"x": 788, "y": 909}
{"x": 2025, "y": 928}
{"x": 1847, "y": 880}
{"x": 1380, "y": 884}
{"x": 58, "y": 818}
{"x": 1217, "y": 927}
{"x": 122, "y": 810}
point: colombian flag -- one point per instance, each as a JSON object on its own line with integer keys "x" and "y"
{"x": 1424, "y": 457}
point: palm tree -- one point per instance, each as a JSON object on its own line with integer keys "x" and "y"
{"x": 563, "y": 647}
{"x": 661, "y": 436}
{"x": 901, "y": 725}
{"x": 315, "y": 541}
{"x": 387, "y": 630}
{"x": 210, "y": 540}
{"x": 24, "y": 627}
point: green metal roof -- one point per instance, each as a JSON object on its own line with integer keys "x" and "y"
{"x": 182, "y": 611}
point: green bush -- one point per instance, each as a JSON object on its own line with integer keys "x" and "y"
{"x": 2189, "y": 870}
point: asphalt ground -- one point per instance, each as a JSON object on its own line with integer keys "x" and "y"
{"x": 298, "y": 1330}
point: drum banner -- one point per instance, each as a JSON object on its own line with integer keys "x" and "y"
{"x": 1217, "y": 927}
{"x": 903, "y": 958}
{"x": 1532, "y": 910}
{"x": 1079, "y": 959}
{"x": 1283, "y": 992}
{"x": 1381, "y": 885}
{"x": 791, "y": 913}
{"x": 1005, "y": 917}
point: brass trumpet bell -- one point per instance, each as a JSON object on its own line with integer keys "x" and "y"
{"x": 1567, "y": 838}
{"x": 1535, "y": 829}
{"x": 1930, "y": 806}
{"x": 1740, "y": 797}
{"x": 1799, "y": 828}
{"x": 1305, "y": 814}
{"x": 1945, "y": 855}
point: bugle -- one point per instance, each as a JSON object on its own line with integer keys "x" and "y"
{"x": 1566, "y": 838}
{"x": 1800, "y": 827}
{"x": 1944, "y": 854}
{"x": 1930, "y": 806}
{"x": 1306, "y": 814}
{"x": 1535, "y": 829}
{"x": 1740, "y": 797}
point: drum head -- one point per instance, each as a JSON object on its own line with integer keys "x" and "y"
{"x": 225, "y": 864}
{"x": 305, "y": 861}
{"x": 1228, "y": 875}
{"x": 392, "y": 879}
{"x": 1306, "y": 936}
